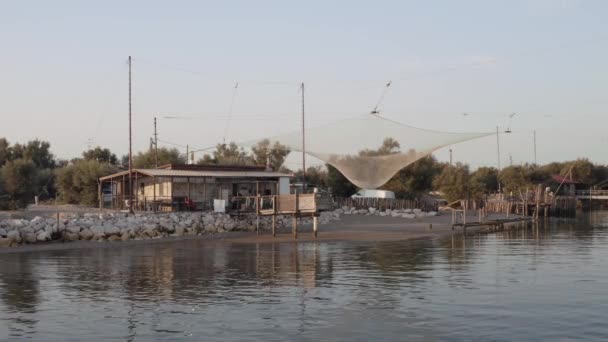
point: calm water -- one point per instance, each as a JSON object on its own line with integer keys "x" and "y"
{"x": 539, "y": 283}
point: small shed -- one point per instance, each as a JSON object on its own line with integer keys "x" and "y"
{"x": 189, "y": 187}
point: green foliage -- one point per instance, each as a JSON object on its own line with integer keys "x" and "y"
{"x": 275, "y": 152}
{"x": 39, "y": 152}
{"x": 488, "y": 178}
{"x": 146, "y": 160}
{"x": 5, "y": 152}
{"x": 338, "y": 184}
{"x": 415, "y": 178}
{"x": 77, "y": 183}
{"x": 102, "y": 155}
{"x": 456, "y": 182}
{"x": 228, "y": 154}
{"x": 22, "y": 180}
{"x": 389, "y": 146}
{"x": 315, "y": 176}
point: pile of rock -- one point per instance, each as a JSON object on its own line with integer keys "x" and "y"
{"x": 404, "y": 213}
{"x": 119, "y": 226}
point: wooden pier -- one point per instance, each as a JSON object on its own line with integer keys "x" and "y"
{"x": 295, "y": 205}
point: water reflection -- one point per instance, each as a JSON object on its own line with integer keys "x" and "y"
{"x": 342, "y": 290}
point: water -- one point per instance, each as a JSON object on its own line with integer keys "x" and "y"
{"x": 542, "y": 283}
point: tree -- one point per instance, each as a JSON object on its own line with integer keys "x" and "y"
{"x": 228, "y": 154}
{"x": 338, "y": 184}
{"x": 37, "y": 151}
{"x": 77, "y": 183}
{"x": 389, "y": 146}
{"x": 19, "y": 181}
{"x": 315, "y": 176}
{"x": 488, "y": 178}
{"x": 5, "y": 151}
{"x": 455, "y": 182}
{"x": 582, "y": 170}
{"x": 146, "y": 160}
{"x": 101, "y": 155}
{"x": 264, "y": 150}
{"x": 415, "y": 178}
{"x": 513, "y": 178}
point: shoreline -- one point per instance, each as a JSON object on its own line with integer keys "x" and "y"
{"x": 350, "y": 228}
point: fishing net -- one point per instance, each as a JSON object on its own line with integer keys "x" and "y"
{"x": 368, "y": 150}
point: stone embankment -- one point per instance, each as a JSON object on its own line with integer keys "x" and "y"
{"x": 120, "y": 226}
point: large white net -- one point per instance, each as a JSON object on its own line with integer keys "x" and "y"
{"x": 368, "y": 150}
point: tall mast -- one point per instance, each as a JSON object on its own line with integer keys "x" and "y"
{"x": 303, "y": 144}
{"x": 130, "y": 145}
{"x": 155, "y": 144}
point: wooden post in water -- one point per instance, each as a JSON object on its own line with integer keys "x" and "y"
{"x": 274, "y": 215}
{"x": 257, "y": 208}
{"x": 294, "y": 228}
{"x": 314, "y": 225}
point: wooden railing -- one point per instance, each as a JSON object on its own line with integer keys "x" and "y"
{"x": 592, "y": 193}
{"x": 387, "y": 203}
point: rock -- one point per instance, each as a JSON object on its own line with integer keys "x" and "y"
{"x": 73, "y": 229}
{"x": 43, "y": 236}
{"x": 113, "y": 238}
{"x": 86, "y": 234}
{"x": 167, "y": 226}
{"x": 383, "y": 213}
{"x": 416, "y": 211}
{"x": 179, "y": 231}
{"x": 395, "y": 213}
{"x": 14, "y": 236}
{"x": 113, "y": 230}
{"x": 3, "y": 232}
{"x": 125, "y": 236}
{"x": 431, "y": 213}
{"x": 5, "y": 242}
{"x": 71, "y": 236}
{"x": 408, "y": 216}
{"x": 30, "y": 237}
{"x": 371, "y": 210}
{"x": 407, "y": 211}
{"x": 15, "y": 223}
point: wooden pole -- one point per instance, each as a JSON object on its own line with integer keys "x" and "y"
{"x": 295, "y": 217}
{"x": 100, "y": 195}
{"x": 303, "y": 145}
{"x": 130, "y": 144}
{"x": 154, "y": 193}
{"x": 155, "y": 144}
{"x": 257, "y": 207}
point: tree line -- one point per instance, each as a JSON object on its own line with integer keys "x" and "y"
{"x": 30, "y": 169}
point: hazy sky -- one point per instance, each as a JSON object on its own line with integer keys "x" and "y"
{"x": 64, "y": 74}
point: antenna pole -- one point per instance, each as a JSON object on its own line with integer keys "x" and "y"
{"x": 130, "y": 145}
{"x": 450, "y": 157}
{"x": 187, "y": 154}
{"x": 535, "y": 161}
{"x": 498, "y": 148}
{"x": 155, "y": 144}
{"x": 303, "y": 144}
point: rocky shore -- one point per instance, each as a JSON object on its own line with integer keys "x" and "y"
{"x": 141, "y": 226}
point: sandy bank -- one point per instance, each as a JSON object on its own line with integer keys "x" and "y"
{"x": 349, "y": 228}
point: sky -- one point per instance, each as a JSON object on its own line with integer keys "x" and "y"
{"x": 64, "y": 73}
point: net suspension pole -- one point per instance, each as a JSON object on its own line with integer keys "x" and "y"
{"x": 303, "y": 144}
{"x": 535, "y": 161}
{"x": 498, "y": 148}
{"x": 155, "y": 144}
{"x": 130, "y": 145}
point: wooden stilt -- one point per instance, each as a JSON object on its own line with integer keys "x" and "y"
{"x": 274, "y": 225}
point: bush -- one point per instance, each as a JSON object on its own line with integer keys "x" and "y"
{"x": 77, "y": 183}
